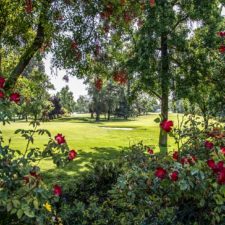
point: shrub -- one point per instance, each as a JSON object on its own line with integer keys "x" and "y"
{"x": 185, "y": 187}
{"x": 24, "y": 197}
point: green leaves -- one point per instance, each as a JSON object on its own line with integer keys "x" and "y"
{"x": 157, "y": 120}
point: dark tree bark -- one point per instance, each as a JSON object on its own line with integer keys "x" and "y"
{"x": 108, "y": 114}
{"x": 164, "y": 86}
{"x": 97, "y": 115}
{"x": 92, "y": 115}
{"x": 30, "y": 51}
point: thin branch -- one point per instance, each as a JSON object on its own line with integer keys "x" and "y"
{"x": 178, "y": 22}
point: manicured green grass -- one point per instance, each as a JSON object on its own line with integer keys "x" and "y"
{"x": 90, "y": 139}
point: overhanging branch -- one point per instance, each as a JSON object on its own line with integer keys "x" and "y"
{"x": 30, "y": 51}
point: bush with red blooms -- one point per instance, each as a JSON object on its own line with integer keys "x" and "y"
{"x": 185, "y": 187}
{"x": 24, "y": 196}
{"x": 7, "y": 98}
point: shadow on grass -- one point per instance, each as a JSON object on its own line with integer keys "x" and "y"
{"x": 83, "y": 162}
{"x": 80, "y": 119}
{"x": 80, "y": 164}
{"x": 90, "y": 120}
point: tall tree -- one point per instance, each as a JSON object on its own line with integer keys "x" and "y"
{"x": 156, "y": 34}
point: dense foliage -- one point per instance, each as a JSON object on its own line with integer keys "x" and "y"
{"x": 185, "y": 187}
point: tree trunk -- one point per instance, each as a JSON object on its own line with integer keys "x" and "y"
{"x": 35, "y": 46}
{"x": 164, "y": 86}
{"x": 92, "y": 115}
{"x": 97, "y": 116}
{"x": 109, "y": 114}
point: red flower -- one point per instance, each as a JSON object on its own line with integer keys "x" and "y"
{"x": 166, "y": 125}
{"x": 221, "y": 34}
{"x": 175, "y": 155}
{"x": 15, "y": 97}
{"x": 174, "y": 176}
{"x": 60, "y": 139}
{"x": 152, "y": 3}
{"x": 211, "y": 163}
{"x": 57, "y": 190}
{"x": 222, "y": 49}
{"x": 220, "y": 165}
{"x": 74, "y": 45}
{"x": 120, "y": 77}
{"x": 209, "y": 145}
{"x": 72, "y": 154}
{"x": 28, "y": 6}
{"x": 184, "y": 160}
{"x": 150, "y": 151}
{"x": 98, "y": 84}
{"x": 2, "y": 94}
{"x": 160, "y": 173}
{"x": 2, "y": 82}
{"x": 216, "y": 167}
{"x": 221, "y": 176}
{"x": 222, "y": 149}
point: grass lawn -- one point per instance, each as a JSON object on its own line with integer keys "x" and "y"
{"x": 91, "y": 140}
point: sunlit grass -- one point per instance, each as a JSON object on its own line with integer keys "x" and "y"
{"x": 90, "y": 139}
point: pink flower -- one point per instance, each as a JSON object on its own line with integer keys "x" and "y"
{"x": 166, "y": 125}
{"x": 209, "y": 145}
{"x": 57, "y": 190}
{"x": 160, "y": 173}
{"x": 175, "y": 155}
{"x": 222, "y": 149}
{"x": 72, "y": 154}
{"x": 60, "y": 139}
{"x": 15, "y": 97}
{"x": 174, "y": 176}
{"x": 2, "y": 82}
{"x": 150, "y": 151}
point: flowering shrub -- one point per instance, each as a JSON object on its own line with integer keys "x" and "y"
{"x": 185, "y": 187}
{"x": 23, "y": 193}
{"x": 24, "y": 197}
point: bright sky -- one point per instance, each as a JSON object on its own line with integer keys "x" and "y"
{"x": 75, "y": 85}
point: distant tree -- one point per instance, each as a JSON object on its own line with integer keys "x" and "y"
{"x": 82, "y": 104}
{"x": 144, "y": 103}
{"x": 66, "y": 99}
{"x": 56, "y": 109}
